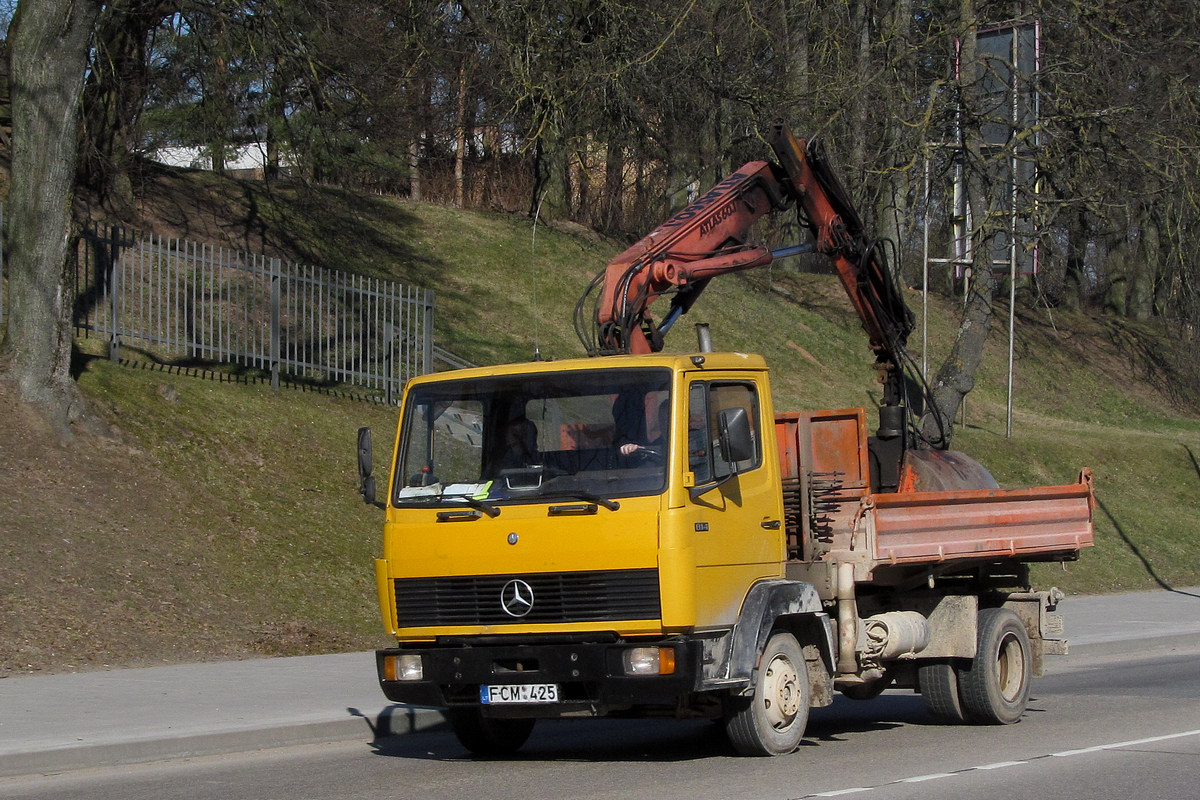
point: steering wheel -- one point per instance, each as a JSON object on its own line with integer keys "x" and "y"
{"x": 646, "y": 454}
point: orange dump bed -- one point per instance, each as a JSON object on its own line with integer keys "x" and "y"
{"x": 832, "y": 511}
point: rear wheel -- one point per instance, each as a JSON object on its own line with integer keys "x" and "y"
{"x": 994, "y": 686}
{"x": 489, "y": 736}
{"x": 771, "y": 722}
{"x": 939, "y": 687}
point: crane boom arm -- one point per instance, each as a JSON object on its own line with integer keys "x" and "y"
{"x": 711, "y": 237}
{"x": 839, "y": 234}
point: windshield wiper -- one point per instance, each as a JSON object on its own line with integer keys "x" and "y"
{"x": 579, "y": 494}
{"x": 486, "y": 508}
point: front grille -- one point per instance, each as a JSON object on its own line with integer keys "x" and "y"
{"x": 557, "y": 597}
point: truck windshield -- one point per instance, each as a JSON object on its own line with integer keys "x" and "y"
{"x": 529, "y": 438}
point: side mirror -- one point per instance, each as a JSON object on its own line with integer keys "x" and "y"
{"x": 366, "y": 481}
{"x": 734, "y": 435}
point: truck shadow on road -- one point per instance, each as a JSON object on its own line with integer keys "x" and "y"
{"x": 659, "y": 740}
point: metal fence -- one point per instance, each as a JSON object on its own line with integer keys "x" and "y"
{"x": 173, "y": 298}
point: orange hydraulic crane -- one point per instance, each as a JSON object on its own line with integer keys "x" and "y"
{"x": 712, "y": 237}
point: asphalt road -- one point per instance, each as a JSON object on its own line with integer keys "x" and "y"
{"x": 1098, "y": 727}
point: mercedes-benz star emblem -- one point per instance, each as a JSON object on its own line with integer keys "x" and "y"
{"x": 516, "y": 598}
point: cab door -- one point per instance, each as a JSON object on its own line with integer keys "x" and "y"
{"x": 738, "y": 524}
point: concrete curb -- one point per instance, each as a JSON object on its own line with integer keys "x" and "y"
{"x": 1127, "y": 646}
{"x": 391, "y": 721}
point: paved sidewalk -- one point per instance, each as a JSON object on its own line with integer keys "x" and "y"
{"x": 1122, "y": 623}
{"x": 59, "y": 722}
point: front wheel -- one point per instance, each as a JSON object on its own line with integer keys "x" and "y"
{"x": 488, "y": 736}
{"x": 771, "y": 721}
{"x": 994, "y": 686}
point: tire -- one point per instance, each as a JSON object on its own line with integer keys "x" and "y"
{"x": 771, "y": 722}
{"x": 489, "y": 736}
{"x": 994, "y": 686}
{"x": 938, "y": 681}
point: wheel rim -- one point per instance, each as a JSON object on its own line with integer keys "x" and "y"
{"x": 1010, "y": 668}
{"x": 781, "y": 692}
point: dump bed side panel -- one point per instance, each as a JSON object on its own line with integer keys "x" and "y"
{"x": 933, "y": 527}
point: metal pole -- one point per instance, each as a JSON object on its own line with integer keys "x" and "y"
{"x": 2, "y": 265}
{"x": 1012, "y": 242}
{"x": 114, "y": 288}
{"x": 389, "y": 340}
{"x": 275, "y": 318}
{"x": 427, "y": 349}
{"x": 925, "y": 280}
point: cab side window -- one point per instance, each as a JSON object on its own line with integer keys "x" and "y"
{"x": 706, "y": 401}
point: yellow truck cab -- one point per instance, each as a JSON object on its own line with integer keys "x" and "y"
{"x": 602, "y": 569}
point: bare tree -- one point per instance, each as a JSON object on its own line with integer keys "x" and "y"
{"x": 48, "y": 50}
{"x": 956, "y": 376}
{"x": 114, "y": 96}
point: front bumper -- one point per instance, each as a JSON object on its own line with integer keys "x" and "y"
{"x": 590, "y": 675}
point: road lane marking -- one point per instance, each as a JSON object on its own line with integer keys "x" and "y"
{"x": 933, "y": 777}
{"x": 841, "y": 792}
{"x": 1005, "y": 764}
{"x": 1131, "y": 743}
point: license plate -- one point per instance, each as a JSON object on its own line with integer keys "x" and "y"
{"x": 519, "y": 693}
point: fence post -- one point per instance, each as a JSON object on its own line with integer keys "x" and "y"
{"x": 427, "y": 342}
{"x": 114, "y": 293}
{"x": 1, "y": 262}
{"x": 389, "y": 367}
{"x": 276, "y": 334}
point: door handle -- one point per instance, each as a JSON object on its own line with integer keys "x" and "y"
{"x": 770, "y": 524}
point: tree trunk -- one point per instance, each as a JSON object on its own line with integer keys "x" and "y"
{"x": 858, "y": 153}
{"x": 48, "y": 48}
{"x": 1145, "y": 271}
{"x": 460, "y": 142}
{"x": 583, "y": 207}
{"x": 614, "y": 187}
{"x": 794, "y": 28}
{"x": 414, "y": 168}
{"x": 493, "y": 190}
{"x": 551, "y": 198}
{"x": 796, "y": 25}
{"x": 271, "y": 165}
{"x": 1116, "y": 268}
{"x": 116, "y": 86}
{"x": 423, "y": 116}
{"x": 1077, "y": 242}
{"x": 956, "y": 376}
{"x": 892, "y": 207}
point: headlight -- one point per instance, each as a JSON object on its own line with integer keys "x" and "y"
{"x": 650, "y": 661}
{"x": 403, "y": 668}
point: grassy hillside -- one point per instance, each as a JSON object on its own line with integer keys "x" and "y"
{"x": 219, "y": 519}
